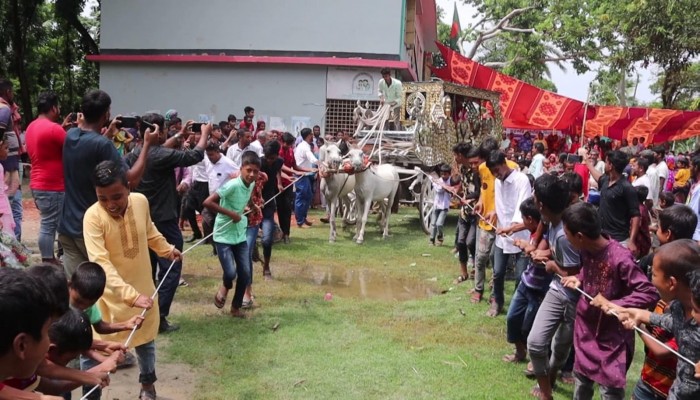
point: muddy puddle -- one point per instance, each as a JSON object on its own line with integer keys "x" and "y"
{"x": 363, "y": 283}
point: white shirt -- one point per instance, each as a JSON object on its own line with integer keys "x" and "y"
{"x": 219, "y": 173}
{"x": 256, "y": 147}
{"x": 391, "y": 93}
{"x": 662, "y": 169}
{"x": 442, "y": 196}
{"x": 235, "y": 153}
{"x": 303, "y": 155}
{"x": 694, "y": 204}
{"x": 199, "y": 171}
{"x": 537, "y": 165}
{"x": 654, "y": 184}
{"x": 600, "y": 167}
{"x": 509, "y": 194}
{"x": 644, "y": 181}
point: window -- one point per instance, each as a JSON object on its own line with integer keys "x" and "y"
{"x": 339, "y": 114}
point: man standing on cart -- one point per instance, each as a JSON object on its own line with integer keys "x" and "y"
{"x": 391, "y": 92}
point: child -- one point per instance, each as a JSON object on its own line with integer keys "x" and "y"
{"x": 441, "y": 205}
{"x": 553, "y": 324}
{"x": 27, "y": 302}
{"x": 129, "y": 285}
{"x": 531, "y": 289}
{"x": 230, "y": 202}
{"x": 666, "y": 200}
{"x": 608, "y": 270}
{"x": 643, "y": 238}
{"x": 677, "y": 277}
{"x": 70, "y": 335}
{"x": 676, "y": 222}
{"x": 681, "y": 181}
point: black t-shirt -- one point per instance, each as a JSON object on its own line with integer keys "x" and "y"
{"x": 618, "y": 205}
{"x": 270, "y": 188}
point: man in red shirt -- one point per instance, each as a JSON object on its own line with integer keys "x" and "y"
{"x": 45, "y": 139}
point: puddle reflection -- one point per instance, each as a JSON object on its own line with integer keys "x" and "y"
{"x": 364, "y": 283}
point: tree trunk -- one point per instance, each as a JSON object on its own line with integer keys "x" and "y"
{"x": 670, "y": 87}
{"x": 19, "y": 46}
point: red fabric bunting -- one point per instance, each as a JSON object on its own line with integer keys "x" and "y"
{"x": 525, "y": 106}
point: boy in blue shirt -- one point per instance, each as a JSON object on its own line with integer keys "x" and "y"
{"x": 230, "y": 203}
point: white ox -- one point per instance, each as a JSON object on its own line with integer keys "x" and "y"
{"x": 335, "y": 185}
{"x": 374, "y": 183}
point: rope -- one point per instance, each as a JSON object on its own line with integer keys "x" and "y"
{"x": 612, "y": 312}
{"x": 153, "y": 296}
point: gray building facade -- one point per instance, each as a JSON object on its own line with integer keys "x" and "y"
{"x": 298, "y": 63}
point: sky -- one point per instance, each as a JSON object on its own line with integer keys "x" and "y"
{"x": 568, "y": 82}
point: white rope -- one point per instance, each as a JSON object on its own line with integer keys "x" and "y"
{"x": 153, "y": 296}
{"x": 641, "y": 331}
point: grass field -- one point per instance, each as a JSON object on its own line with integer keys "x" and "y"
{"x": 389, "y": 331}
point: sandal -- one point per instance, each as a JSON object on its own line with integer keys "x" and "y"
{"x": 267, "y": 275}
{"x": 537, "y": 392}
{"x": 513, "y": 358}
{"x": 460, "y": 279}
{"x": 219, "y": 300}
{"x": 529, "y": 371}
{"x": 147, "y": 394}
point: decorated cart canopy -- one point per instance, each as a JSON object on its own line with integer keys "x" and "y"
{"x": 524, "y": 106}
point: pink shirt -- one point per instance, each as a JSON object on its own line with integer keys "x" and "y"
{"x": 45, "y": 147}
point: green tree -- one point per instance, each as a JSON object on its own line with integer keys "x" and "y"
{"x": 38, "y": 52}
{"x": 686, "y": 95}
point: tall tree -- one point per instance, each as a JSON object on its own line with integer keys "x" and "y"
{"x": 69, "y": 11}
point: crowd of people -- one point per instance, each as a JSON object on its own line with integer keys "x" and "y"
{"x": 615, "y": 228}
{"x": 118, "y": 191}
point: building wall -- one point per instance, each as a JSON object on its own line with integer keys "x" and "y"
{"x": 216, "y": 90}
{"x": 253, "y": 26}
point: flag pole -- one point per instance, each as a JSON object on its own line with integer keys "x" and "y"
{"x": 585, "y": 114}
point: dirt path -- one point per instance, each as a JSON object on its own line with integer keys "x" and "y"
{"x": 175, "y": 381}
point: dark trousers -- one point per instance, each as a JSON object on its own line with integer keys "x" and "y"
{"x": 193, "y": 203}
{"x": 285, "y": 203}
{"x": 171, "y": 231}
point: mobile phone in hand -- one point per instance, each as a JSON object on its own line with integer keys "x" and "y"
{"x": 127, "y": 122}
{"x": 197, "y": 127}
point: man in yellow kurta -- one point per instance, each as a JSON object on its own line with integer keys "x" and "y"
{"x": 118, "y": 232}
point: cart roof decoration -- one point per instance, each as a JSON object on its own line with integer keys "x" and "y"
{"x": 434, "y": 117}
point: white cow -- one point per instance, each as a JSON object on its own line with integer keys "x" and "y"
{"x": 375, "y": 183}
{"x": 335, "y": 185}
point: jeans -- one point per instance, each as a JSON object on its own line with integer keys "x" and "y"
{"x": 50, "y": 206}
{"x": 268, "y": 228}
{"x": 437, "y": 221}
{"x": 553, "y": 324}
{"x": 466, "y": 239}
{"x": 284, "y": 209}
{"x": 234, "y": 262}
{"x": 172, "y": 233}
{"x": 583, "y": 390}
{"x": 642, "y": 391}
{"x": 146, "y": 356}
{"x": 302, "y": 202}
{"x": 521, "y": 313}
{"x": 17, "y": 212}
{"x": 484, "y": 245}
{"x": 74, "y": 253}
{"x": 500, "y": 262}
{"x": 251, "y": 239}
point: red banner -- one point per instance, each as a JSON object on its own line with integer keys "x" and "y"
{"x": 525, "y": 106}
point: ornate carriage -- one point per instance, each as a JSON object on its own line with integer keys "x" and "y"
{"x": 434, "y": 116}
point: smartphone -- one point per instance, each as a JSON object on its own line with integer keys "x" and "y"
{"x": 73, "y": 117}
{"x": 197, "y": 127}
{"x": 127, "y": 122}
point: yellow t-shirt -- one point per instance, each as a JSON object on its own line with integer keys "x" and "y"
{"x": 488, "y": 191}
{"x": 681, "y": 177}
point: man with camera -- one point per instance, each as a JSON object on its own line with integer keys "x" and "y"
{"x": 160, "y": 188}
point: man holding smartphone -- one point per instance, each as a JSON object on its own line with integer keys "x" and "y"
{"x": 160, "y": 187}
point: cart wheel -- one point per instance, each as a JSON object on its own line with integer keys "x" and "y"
{"x": 425, "y": 204}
